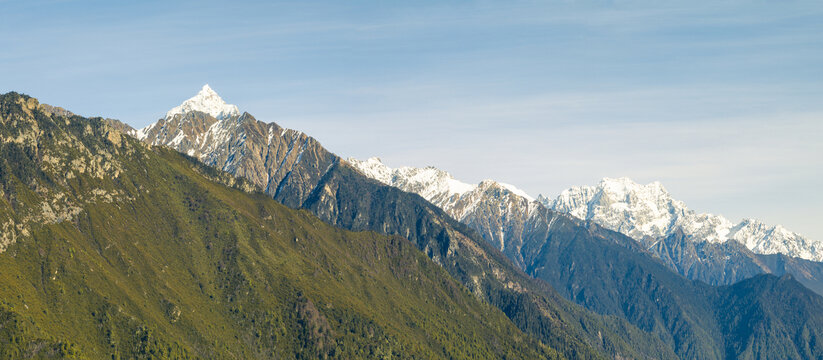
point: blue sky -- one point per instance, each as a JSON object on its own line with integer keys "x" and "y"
{"x": 722, "y": 101}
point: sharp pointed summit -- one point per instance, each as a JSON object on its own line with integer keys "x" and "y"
{"x": 206, "y": 101}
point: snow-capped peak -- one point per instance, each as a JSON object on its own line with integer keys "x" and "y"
{"x": 649, "y": 210}
{"x": 624, "y": 205}
{"x": 206, "y": 101}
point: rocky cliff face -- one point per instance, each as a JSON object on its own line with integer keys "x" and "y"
{"x": 35, "y": 155}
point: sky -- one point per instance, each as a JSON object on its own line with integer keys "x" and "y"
{"x": 721, "y": 101}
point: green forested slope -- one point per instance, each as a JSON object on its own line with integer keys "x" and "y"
{"x": 297, "y": 171}
{"x": 609, "y": 273}
{"x": 767, "y": 317}
{"x": 112, "y": 249}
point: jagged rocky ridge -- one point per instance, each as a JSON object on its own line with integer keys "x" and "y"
{"x": 496, "y": 210}
{"x": 284, "y": 163}
{"x": 579, "y": 259}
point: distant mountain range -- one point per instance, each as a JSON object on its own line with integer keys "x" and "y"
{"x": 697, "y": 246}
{"x": 503, "y": 248}
{"x": 639, "y": 211}
{"x": 649, "y": 211}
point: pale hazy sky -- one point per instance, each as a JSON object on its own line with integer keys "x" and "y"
{"x": 721, "y": 101}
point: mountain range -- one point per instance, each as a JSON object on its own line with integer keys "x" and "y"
{"x": 496, "y": 212}
{"x": 639, "y": 211}
{"x": 650, "y": 212}
{"x": 699, "y": 246}
{"x": 594, "y": 267}
{"x": 297, "y": 171}
{"x": 434, "y": 268}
